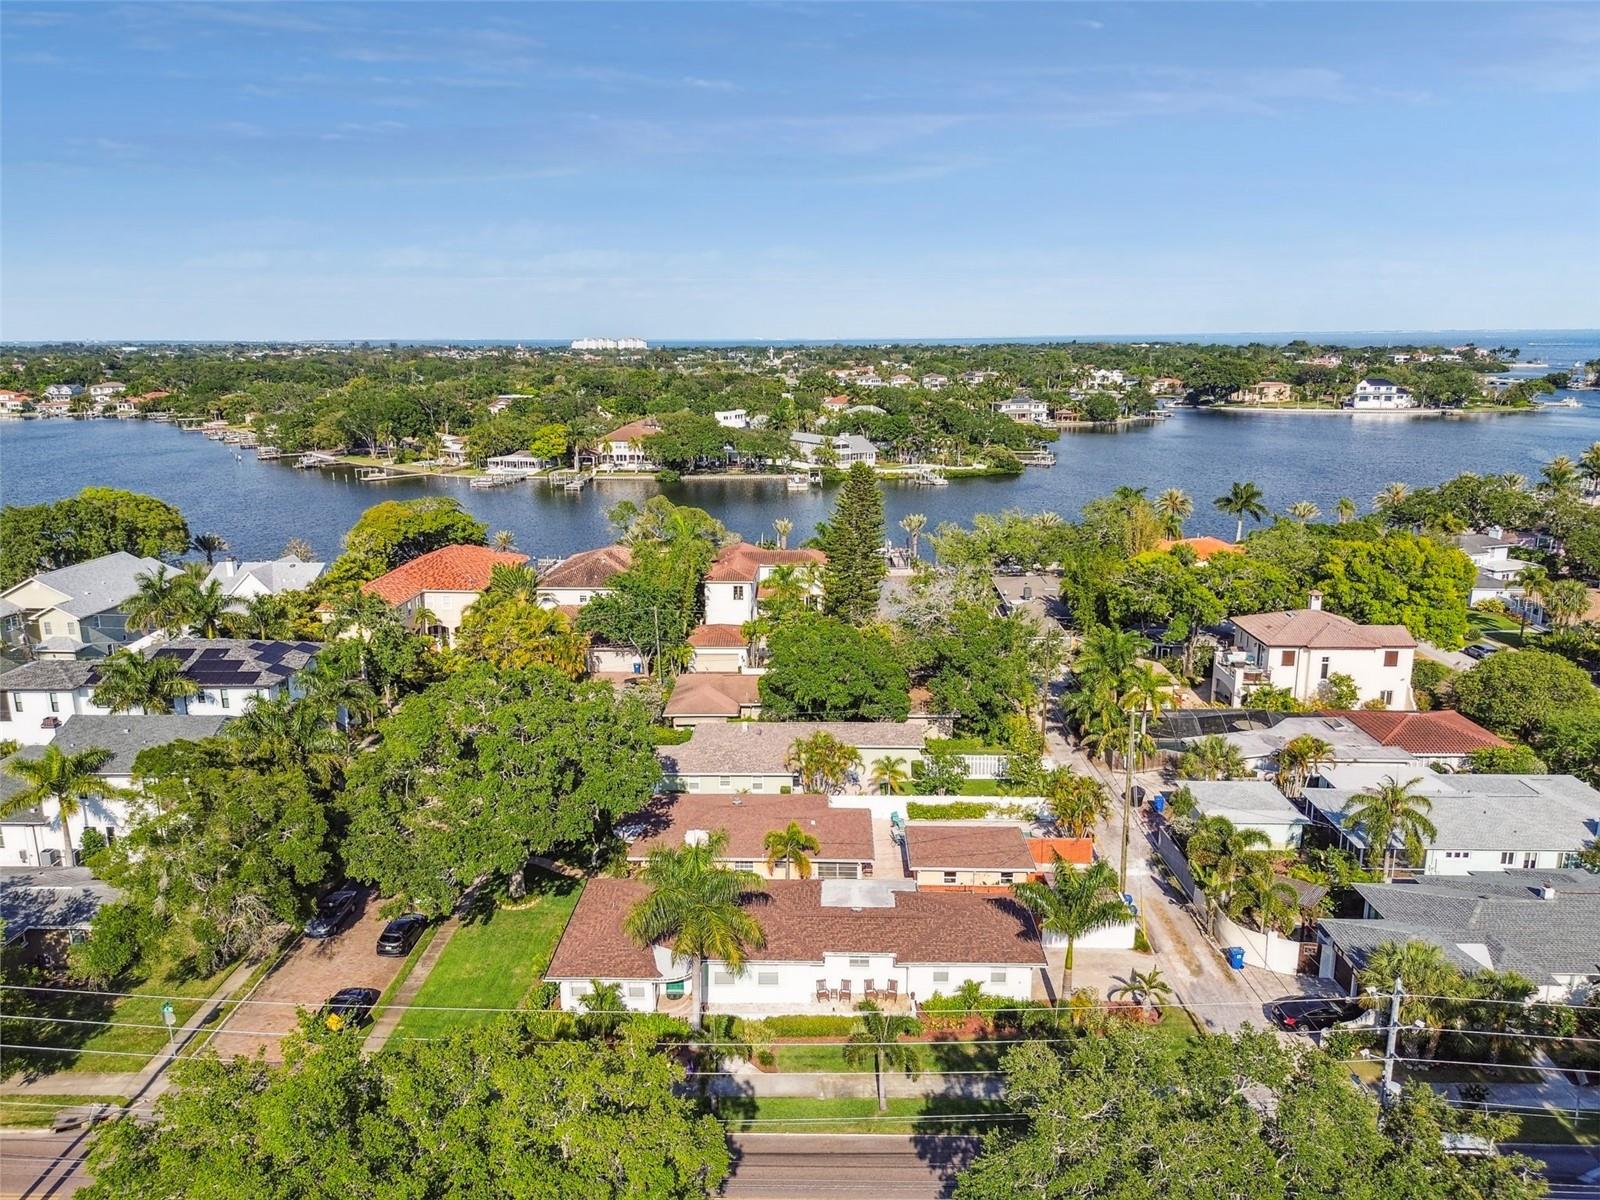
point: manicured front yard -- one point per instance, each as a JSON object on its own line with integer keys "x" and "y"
{"x": 928, "y": 1114}
{"x": 492, "y": 962}
{"x": 39, "y": 1112}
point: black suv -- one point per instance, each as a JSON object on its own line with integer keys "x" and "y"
{"x": 400, "y": 934}
{"x": 1310, "y": 1015}
{"x": 333, "y": 910}
{"x": 349, "y": 1006}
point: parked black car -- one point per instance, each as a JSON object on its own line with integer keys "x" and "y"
{"x": 400, "y": 934}
{"x": 349, "y": 1006}
{"x": 1300, "y": 1016}
{"x": 333, "y": 910}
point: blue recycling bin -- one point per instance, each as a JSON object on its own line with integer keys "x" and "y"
{"x": 1235, "y": 956}
{"x": 1160, "y": 802}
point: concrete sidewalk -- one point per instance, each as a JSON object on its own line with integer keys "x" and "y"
{"x": 389, "y": 1020}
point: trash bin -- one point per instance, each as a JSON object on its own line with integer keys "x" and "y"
{"x": 1235, "y": 956}
{"x": 1160, "y": 802}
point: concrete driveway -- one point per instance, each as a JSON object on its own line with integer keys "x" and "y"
{"x": 311, "y": 971}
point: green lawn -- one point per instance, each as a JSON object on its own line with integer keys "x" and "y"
{"x": 410, "y": 965}
{"x": 1492, "y": 627}
{"x": 38, "y": 1112}
{"x": 1560, "y": 1129}
{"x": 859, "y": 1115}
{"x": 493, "y": 962}
{"x": 87, "y": 1040}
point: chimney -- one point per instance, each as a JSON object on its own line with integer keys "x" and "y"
{"x": 1314, "y": 601}
{"x": 1546, "y": 892}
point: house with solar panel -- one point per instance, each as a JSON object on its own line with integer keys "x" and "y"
{"x": 38, "y": 697}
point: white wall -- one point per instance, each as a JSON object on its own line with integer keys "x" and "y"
{"x": 1270, "y": 950}
{"x": 770, "y": 784}
{"x": 637, "y": 995}
{"x": 1304, "y": 676}
{"x": 1460, "y": 862}
{"x": 720, "y": 660}
{"x": 1111, "y": 937}
{"x": 730, "y": 603}
{"x": 29, "y": 845}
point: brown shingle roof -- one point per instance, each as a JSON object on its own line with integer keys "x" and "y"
{"x": 743, "y": 562}
{"x": 951, "y": 846}
{"x": 712, "y": 694}
{"x": 1315, "y": 629}
{"x": 844, "y": 834}
{"x": 1442, "y": 732}
{"x": 728, "y": 637}
{"x": 447, "y": 569}
{"x": 588, "y": 568}
{"x": 921, "y": 927}
{"x": 634, "y": 431}
{"x": 759, "y": 747}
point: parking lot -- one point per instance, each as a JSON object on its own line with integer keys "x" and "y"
{"x": 306, "y": 976}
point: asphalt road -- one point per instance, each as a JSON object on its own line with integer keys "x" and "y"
{"x": 786, "y": 1166}
{"x": 39, "y": 1165}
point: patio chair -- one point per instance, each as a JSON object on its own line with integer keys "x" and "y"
{"x": 843, "y": 994}
{"x": 869, "y": 991}
{"x": 824, "y": 993}
{"x": 891, "y": 991}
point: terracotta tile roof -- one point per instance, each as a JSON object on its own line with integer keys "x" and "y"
{"x": 588, "y": 568}
{"x": 951, "y": 846}
{"x": 759, "y": 747}
{"x": 844, "y": 834}
{"x": 1315, "y": 629}
{"x": 727, "y": 637}
{"x": 919, "y": 927}
{"x": 713, "y": 694}
{"x": 1441, "y": 732}
{"x": 633, "y": 431}
{"x": 447, "y": 569}
{"x": 743, "y": 562}
{"x": 1203, "y": 547}
{"x": 1077, "y": 852}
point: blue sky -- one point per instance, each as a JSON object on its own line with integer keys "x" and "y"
{"x": 220, "y": 170}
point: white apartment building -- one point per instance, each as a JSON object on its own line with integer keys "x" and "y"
{"x": 1024, "y": 407}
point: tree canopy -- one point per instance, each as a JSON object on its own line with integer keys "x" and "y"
{"x": 853, "y": 540}
{"x": 396, "y": 531}
{"x": 98, "y": 520}
{"x": 820, "y": 668}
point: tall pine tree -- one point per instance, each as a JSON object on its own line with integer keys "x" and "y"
{"x": 853, "y": 540}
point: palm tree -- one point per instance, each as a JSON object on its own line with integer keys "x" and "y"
{"x": 889, "y": 775}
{"x": 783, "y": 527}
{"x": 1566, "y": 601}
{"x": 1073, "y": 904}
{"x": 1243, "y": 500}
{"x": 159, "y": 601}
{"x": 1222, "y": 854}
{"x": 1346, "y": 509}
{"x": 822, "y": 761}
{"x": 1391, "y": 495}
{"x": 877, "y": 1038}
{"x": 913, "y": 524}
{"x": 68, "y": 779}
{"x": 1299, "y": 759}
{"x": 1534, "y": 581}
{"x": 262, "y": 617}
{"x": 1143, "y": 987}
{"x": 283, "y": 730}
{"x": 1589, "y": 467}
{"x": 1559, "y": 476}
{"x": 1174, "y": 507}
{"x": 694, "y": 902}
{"x": 209, "y": 544}
{"x": 603, "y": 1009}
{"x": 1304, "y": 510}
{"x": 504, "y": 541}
{"x": 793, "y": 847}
{"x": 1267, "y": 896}
{"x": 1428, "y": 979}
{"x": 128, "y": 681}
{"x": 1212, "y": 757}
{"x": 205, "y": 609}
{"x": 1108, "y": 654}
{"x": 1078, "y": 802}
{"x": 1388, "y": 810}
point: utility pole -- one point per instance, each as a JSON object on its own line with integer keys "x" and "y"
{"x": 1390, "y": 1043}
{"x": 1127, "y": 803}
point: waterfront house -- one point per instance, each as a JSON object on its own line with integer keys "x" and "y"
{"x": 63, "y": 392}
{"x": 844, "y": 835}
{"x": 1024, "y": 407}
{"x": 13, "y": 403}
{"x": 623, "y": 449}
{"x": 104, "y": 393}
{"x": 1270, "y": 391}
{"x": 841, "y": 450}
{"x": 440, "y": 586}
{"x": 1250, "y": 804}
{"x": 516, "y": 466}
{"x": 33, "y": 837}
{"x": 1380, "y": 394}
{"x": 1539, "y": 924}
{"x": 579, "y": 578}
{"x": 964, "y": 854}
{"x": 1299, "y": 650}
{"x": 829, "y": 944}
{"x": 76, "y": 611}
{"x": 242, "y": 582}
{"x": 452, "y": 450}
{"x": 38, "y": 697}
{"x": 732, "y": 584}
{"x": 752, "y": 756}
{"x": 700, "y": 699}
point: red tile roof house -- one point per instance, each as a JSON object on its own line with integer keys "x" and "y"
{"x": 825, "y": 940}
{"x": 719, "y": 648}
{"x": 581, "y": 577}
{"x": 844, "y": 835}
{"x": 445, "y": 582}
{"x": 623, "y": 448}
{"x": 732, "y": 583}
{"x": 1444, "y": 737}
{"x": 700, "y": 699}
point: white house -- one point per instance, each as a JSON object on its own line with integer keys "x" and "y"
{"x": 33, "y": 837}
{"x": 444, "y": 582}
{"x": 14, "y": 402}
{"x": 1251, "y": 804}
{"x": 515, "y": 465}
{"x": 244, "y": 581}
{"x": 39, "y": 697}
{"x": 1024, "y": 407}
{"x": 934, "y": 382}
{"x": 1300, "y": 649}
{"x": 828, "y": 945}
{"x": 578, "y": 579}
{"x": 844, "y": 835}
{"x": 76, "y": 611}
{"x": 732, "y": 585}
{"x": 1497, "y": 567}
{"x": 103, "y": 392}
{"x": 752, "y": 756}
{"x": 733, "y": 418}
{"x": 452, "y": 449}
{"x": 1381, "y": 394}
{"x": 623, "y": 448}
{"x": 63, "y": 391}
{"x": 845, "y": 449}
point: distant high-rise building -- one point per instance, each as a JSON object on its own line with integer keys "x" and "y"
{"x": 610, "y": 344}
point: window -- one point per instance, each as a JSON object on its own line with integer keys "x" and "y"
{"x": 1386, "y": 696}
{"x": 1391, "y": 658}
{"x": 55, "y": 702}
{"x": 738, "y": 591}
{"x": 580, "y": 990}
{"x": 1327, "y": 665}
{"x": 860, "y": 964}
{"x": 997, "y": 976}
{"x": 1288, "y": 658}
{"x": 47, "y": 627}
{"x": 222, "y": 694}
{"x": 744, "y": 864}
{"x": 722, "y": 978}
{"x": 1508, "y": 858}
{"x": 941, "y": 976}
{"x": 1007, "y": 876}
{"x": 766, "y": 979}
{"x": 949, "y": 876}
{"x": 636, "y": 991}
{"x": 16, "y": 701}
{"x": 1455, "y": 853}
{"x": 1530, "y": 860}
{"x": 725, "y": 781}
{"x": 836, "y": 870}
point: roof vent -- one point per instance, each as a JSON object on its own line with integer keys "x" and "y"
{"x": 737, "y": 801}
{"x": 1545, "y": 892}
{"x": 1314, "y": 601}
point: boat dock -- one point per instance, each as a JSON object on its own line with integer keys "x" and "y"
{"x": 315, "y": 458}
{"x": 927, "y": 477}
{"x": 578, "y": 482}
